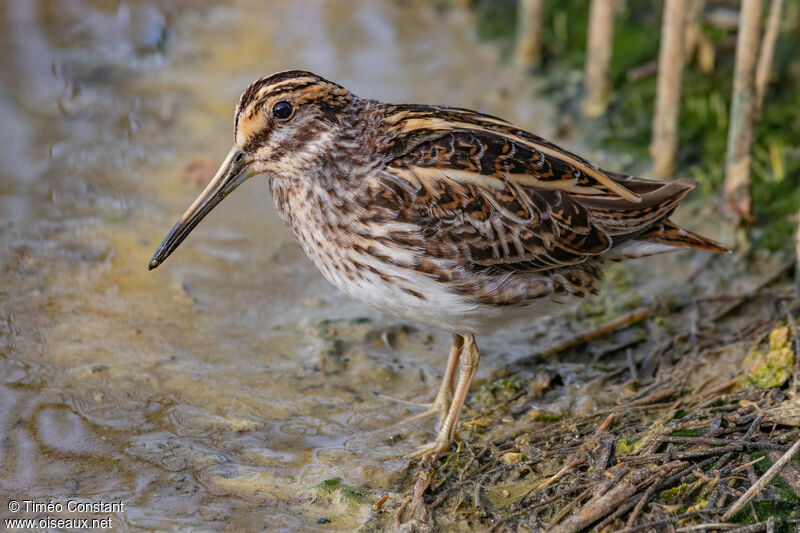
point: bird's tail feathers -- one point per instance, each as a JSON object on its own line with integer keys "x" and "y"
{"x": 666, "y": 236}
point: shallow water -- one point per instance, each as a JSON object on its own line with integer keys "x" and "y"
{"x": 219, "y": 390}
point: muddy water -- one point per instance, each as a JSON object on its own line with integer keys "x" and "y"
{"x": 220, "y": 390}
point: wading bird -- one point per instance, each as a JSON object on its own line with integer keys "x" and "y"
{"x": 442, "y": 216}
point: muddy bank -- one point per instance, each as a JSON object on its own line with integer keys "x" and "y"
{"x": 682, "y": 405}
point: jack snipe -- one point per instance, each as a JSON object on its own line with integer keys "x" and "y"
{"x": 442, "y": 216}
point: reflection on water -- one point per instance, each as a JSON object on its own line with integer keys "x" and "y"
{"x": 220, "y": 390}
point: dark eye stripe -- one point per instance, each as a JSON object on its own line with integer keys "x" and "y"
{"x": 257, "y": 141}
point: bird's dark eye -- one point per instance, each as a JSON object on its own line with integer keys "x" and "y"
{"x": 238, "y": 157}
{"x": 282, "y": 110}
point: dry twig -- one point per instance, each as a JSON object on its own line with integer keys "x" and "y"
{"x": 773, "y": 471}
{"x": 605, "y": 502}
{"x": 628, "y": 319}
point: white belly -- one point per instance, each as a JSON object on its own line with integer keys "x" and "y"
{"x": 437, "y": 307}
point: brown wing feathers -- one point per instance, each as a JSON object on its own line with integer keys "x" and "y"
{"x": 502, "y": 196}
{"x": 619, "y": 216}
{"x": 494, "y": 146}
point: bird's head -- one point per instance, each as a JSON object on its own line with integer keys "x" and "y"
{"x": 284, "y": 124}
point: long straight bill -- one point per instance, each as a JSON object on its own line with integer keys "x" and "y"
{"x": 234, "y": 171}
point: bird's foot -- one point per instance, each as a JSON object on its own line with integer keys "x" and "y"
{"x": 438, "y": 407}
{"x": 430, "y": 451}
{"x": 426, "y": 405}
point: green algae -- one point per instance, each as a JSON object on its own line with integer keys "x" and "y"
{"x": 626, "y": 446}
{"x": 500, "y": 390}
{"x": 349, "y": 494}
{"x": 770, "y": 366}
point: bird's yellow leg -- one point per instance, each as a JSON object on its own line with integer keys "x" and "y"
{"x": 445, "y": 395}
{"x": 468, "y": 365}
{"x": 443, "y": 398}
